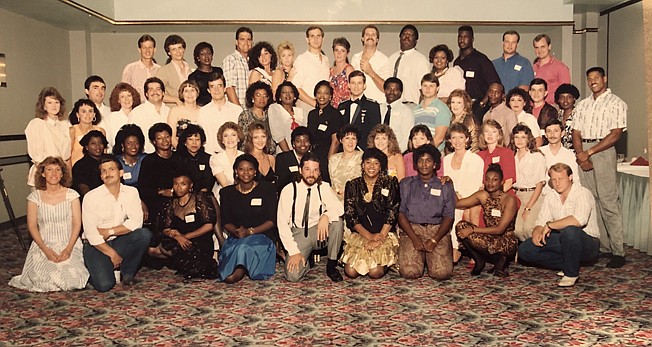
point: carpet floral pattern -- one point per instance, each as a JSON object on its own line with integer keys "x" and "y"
{"x": 606, "y": 308}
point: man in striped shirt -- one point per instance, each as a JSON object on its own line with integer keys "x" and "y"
{"x": 599, "y": 121}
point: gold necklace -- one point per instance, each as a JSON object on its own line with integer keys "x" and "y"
{"x": 239, "y": 188}
{"x": 370, "y": 191}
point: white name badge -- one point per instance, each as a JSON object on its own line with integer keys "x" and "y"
{"x": 469, "y": 74}
{"x": 435, "y": 192}
{"x": 517, "y": 67}
{"x": 384, "y": 191}
{"x": 190, "y": 218}
{"x": 322, "y": 127}
{"x": 294, "y": 168}
{"x": 126, "y": 175}
{"x": 342, "y": 112}
{"x": 495, "y": 160}
{"x": 495, "y": 213}
{"x": 202, "y": 167}
{"x": 257, "y": 202}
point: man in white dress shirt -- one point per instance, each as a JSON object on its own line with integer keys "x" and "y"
{"x": 217, "y": 112}
{"x": 408, "y": 64}
{"x": 311, "y": 66}
{"x": 372, "y": 62}
{"x": 567, "y": 228}
{"x": 113, "y": 235}
{"x": 152, "y": 111}
{"x": 555, "y": 152}
{"x": 308, "y": 218}
{"x": 394, "y": 113}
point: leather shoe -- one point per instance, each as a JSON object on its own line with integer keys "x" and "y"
{"x": 334, "y": 275}
{"x": 129, "y": 281}
{"x": 567, "y": 281}
{"x": 617, "y": 261}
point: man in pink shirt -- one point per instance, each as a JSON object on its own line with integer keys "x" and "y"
{"x": 553, "y": 71}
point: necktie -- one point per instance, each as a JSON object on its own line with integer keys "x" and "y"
{"x": 306, "y": 212}
{"x": 397, "y": 62}
{"x": 388, "y": 114}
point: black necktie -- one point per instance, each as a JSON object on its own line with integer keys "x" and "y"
{"x": 388, "y": 114}
{"x": 397, "y": 62}
{"x": 306, "y": 212}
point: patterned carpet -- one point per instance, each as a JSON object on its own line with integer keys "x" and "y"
{"x": 606, "y": 308}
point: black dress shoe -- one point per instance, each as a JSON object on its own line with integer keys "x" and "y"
{"x": 129, "y": 281}
{"x": 334, "y": 275}
{"x": 617, "y": 261}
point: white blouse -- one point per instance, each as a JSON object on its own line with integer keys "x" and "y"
{"x": 45, "y": 138}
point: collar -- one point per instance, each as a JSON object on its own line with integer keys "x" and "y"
{"x": 601, "y": 96}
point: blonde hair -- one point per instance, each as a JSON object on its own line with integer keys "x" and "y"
{"x": 482, "y": 144}
{"x": 284, "y": 46}
{"x": 39, "y": 180}
{"x": 392, "y": 147}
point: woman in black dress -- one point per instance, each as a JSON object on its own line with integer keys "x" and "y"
{"x": 249, "y": 216}
{"x": 324, "y": 122}
{"x": 187, "y": 225}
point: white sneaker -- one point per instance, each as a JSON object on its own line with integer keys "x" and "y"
{"x": 560, "y": 274}
{"x": 567, "y": 281}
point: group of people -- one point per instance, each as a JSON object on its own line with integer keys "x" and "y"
{"x": 287, "y": 156}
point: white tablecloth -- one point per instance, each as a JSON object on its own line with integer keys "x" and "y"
{"x": 634, "y": 190}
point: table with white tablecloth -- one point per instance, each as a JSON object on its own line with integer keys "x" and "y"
{"x": 634, "y": 190}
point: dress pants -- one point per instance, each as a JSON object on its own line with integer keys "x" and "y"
{"x": 308, "y": 244}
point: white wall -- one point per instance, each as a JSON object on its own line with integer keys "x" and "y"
{"x": 626, "y": 73}
{"x": 37, "y": 56}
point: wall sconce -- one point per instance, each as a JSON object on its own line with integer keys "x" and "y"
{"x": 3, "y": 71}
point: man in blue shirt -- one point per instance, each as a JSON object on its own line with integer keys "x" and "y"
{"x": 514, "y": 70}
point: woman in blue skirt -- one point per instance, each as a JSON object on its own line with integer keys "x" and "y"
{"x": 249, "y": 217}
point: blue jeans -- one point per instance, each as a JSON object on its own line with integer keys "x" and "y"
{"x": 131, "y": 247}
{"x": 564, "y": 250}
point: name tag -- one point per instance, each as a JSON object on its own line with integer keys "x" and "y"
{"x": 126, "y": 175}
{"x": 495, "y": 160}
{"x": 342, "y": 112}
{"x": 384, "y": 191}
{"x": 202, "y": 167}
{"x": 190, "y": 218}
{"x": 322, "y": 127}
{"x": 257, "y": 202}
{"x": 495, "y": 213}
{"x": 294, "y": 168}
{"x": 469, "y": 74}
{"x": 517, "y": 67}
{"x": 435, "y": 192}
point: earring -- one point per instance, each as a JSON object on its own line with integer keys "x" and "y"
{"x": 94, "y": 119}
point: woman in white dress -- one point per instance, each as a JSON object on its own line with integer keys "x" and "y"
{"x": 284, "y": 116}
{"x": 47, "y": 134}
{"x": 450, "y": 78}
{"x": 466, "y": 170}
{"x": 262, "y": 62}
{"x": 229, "y": 136}
{"x": 54, "y": 261}
{"x": 123, "y": 99}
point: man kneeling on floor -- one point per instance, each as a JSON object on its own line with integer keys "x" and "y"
{"x": 567, "y": 228}
{"x": 113, "y": 235}
{"x": 308, "y": 218}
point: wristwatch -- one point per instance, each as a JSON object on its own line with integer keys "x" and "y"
{"x": 111, "y": 232}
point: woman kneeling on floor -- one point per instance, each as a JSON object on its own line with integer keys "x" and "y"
{"x": 371, "y": 209}
{"x": 496, "y": 242}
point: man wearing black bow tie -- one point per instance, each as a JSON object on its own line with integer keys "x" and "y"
{"x": 362, "y": 112}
